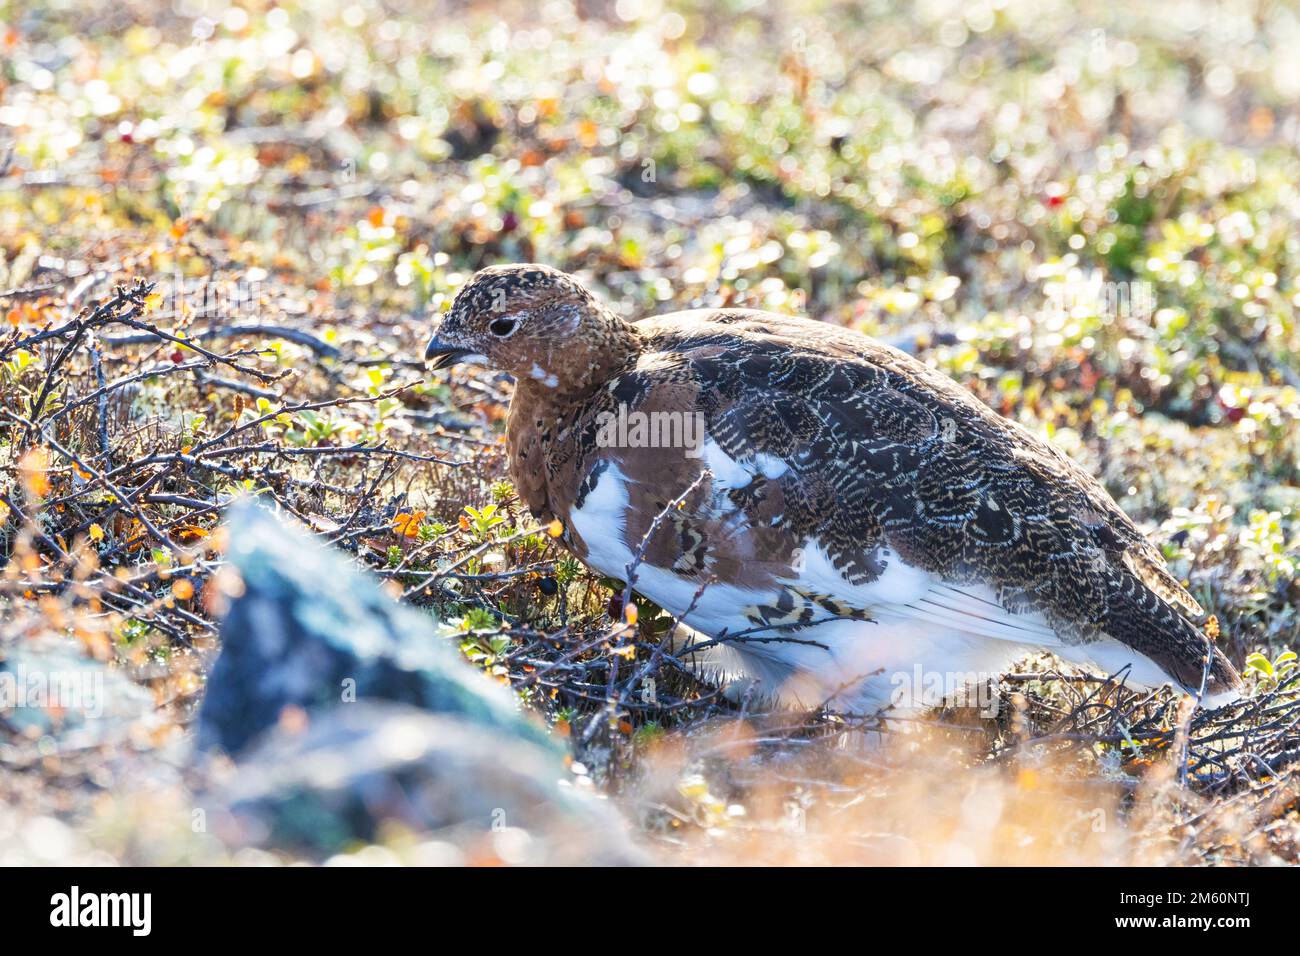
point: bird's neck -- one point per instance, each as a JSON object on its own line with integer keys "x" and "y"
{"x": 578, "y": 367}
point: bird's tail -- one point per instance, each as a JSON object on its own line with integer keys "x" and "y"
{"x": 1141, "y": 620}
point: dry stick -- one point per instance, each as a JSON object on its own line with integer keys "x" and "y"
{"x": 101, "y": 407}
{"x": 145, "y": 599}
{"x": 98, "y": 317}
{"x": 28, "y": 292}
{"x": 155, "y": 371}
{"x": 422, "y": 550}
{"x": 78, "y": 327}
{"x": 292, "y": 408}
{"x": 270, "y": 448}
{"x": 1185, "y": 730}
{"x": 564, "y": 660}
{"x": 209, "y": 447}
{"x": 297, "y": 336}
{"x": 384, "y": 468}
{"x": 265, "y": 448}
{"x": 538, "y": 568}
{"x": 746, "y": 636}
{"x": 51, "y": 374}
{"x": 446, "y": 572}
{"x": 229, "y": 471}
{"x": 80, "y": 321}
{"x": 639, "y": 555}
{"x": 264, "y": 377}
{"x": 652, "y": 665}
{"x": 234, "y": 386}
{"x": 98, "y": 475}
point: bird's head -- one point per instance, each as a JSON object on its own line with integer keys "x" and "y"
{"x": 535, "y": 322}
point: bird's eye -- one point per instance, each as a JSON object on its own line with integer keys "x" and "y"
{"x": 501, "y": 327}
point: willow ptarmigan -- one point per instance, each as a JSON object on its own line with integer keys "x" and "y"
{"x": 849, "y": 514}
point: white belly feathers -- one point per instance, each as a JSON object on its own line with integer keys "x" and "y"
{"x": 919, "y": 624}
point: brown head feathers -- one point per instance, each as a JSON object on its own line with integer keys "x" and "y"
{"x": 536, "y": 323}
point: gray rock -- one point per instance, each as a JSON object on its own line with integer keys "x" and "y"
{"x": 52, "y": 693}
{"x": 363, "y": 772}
{"x": 312, "y": 631}
{"x": 397, "y": 732}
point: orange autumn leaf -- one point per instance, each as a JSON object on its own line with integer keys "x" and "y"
{"x": 408, "y": 523}
{"x": 34, "y": 468}
{"x": 192, "y": 532}
{"x": 135, "y": 537}
{"x": 182, "y": 589}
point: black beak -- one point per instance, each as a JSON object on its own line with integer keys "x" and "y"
{"x": 443, "y": 355}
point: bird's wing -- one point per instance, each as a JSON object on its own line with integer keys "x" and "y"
{"x": 871, "y": 453}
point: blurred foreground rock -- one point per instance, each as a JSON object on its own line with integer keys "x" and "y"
{"x": 53, "y": 695}
{"x": 311, "y": 631}
{"x": 352, "y": 720}
{"x": 386, "y": 772}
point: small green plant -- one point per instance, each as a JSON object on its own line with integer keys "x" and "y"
{"x": 1269, "y": 674}
{"x": 315, "y": 430}
{"x": 194, "y": 425}
{"x": 478, "y": 619}
{"x": 432, "y": 529}
{"x": 483, "y": 520}
{"x": 648, "y": 733}
{"x": 132, "y": 630}
{"x": 1266, "y": 538}
{"x": 567, "y": 570}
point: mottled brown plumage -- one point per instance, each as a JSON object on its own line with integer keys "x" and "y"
{"x": 842, "y": 480}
